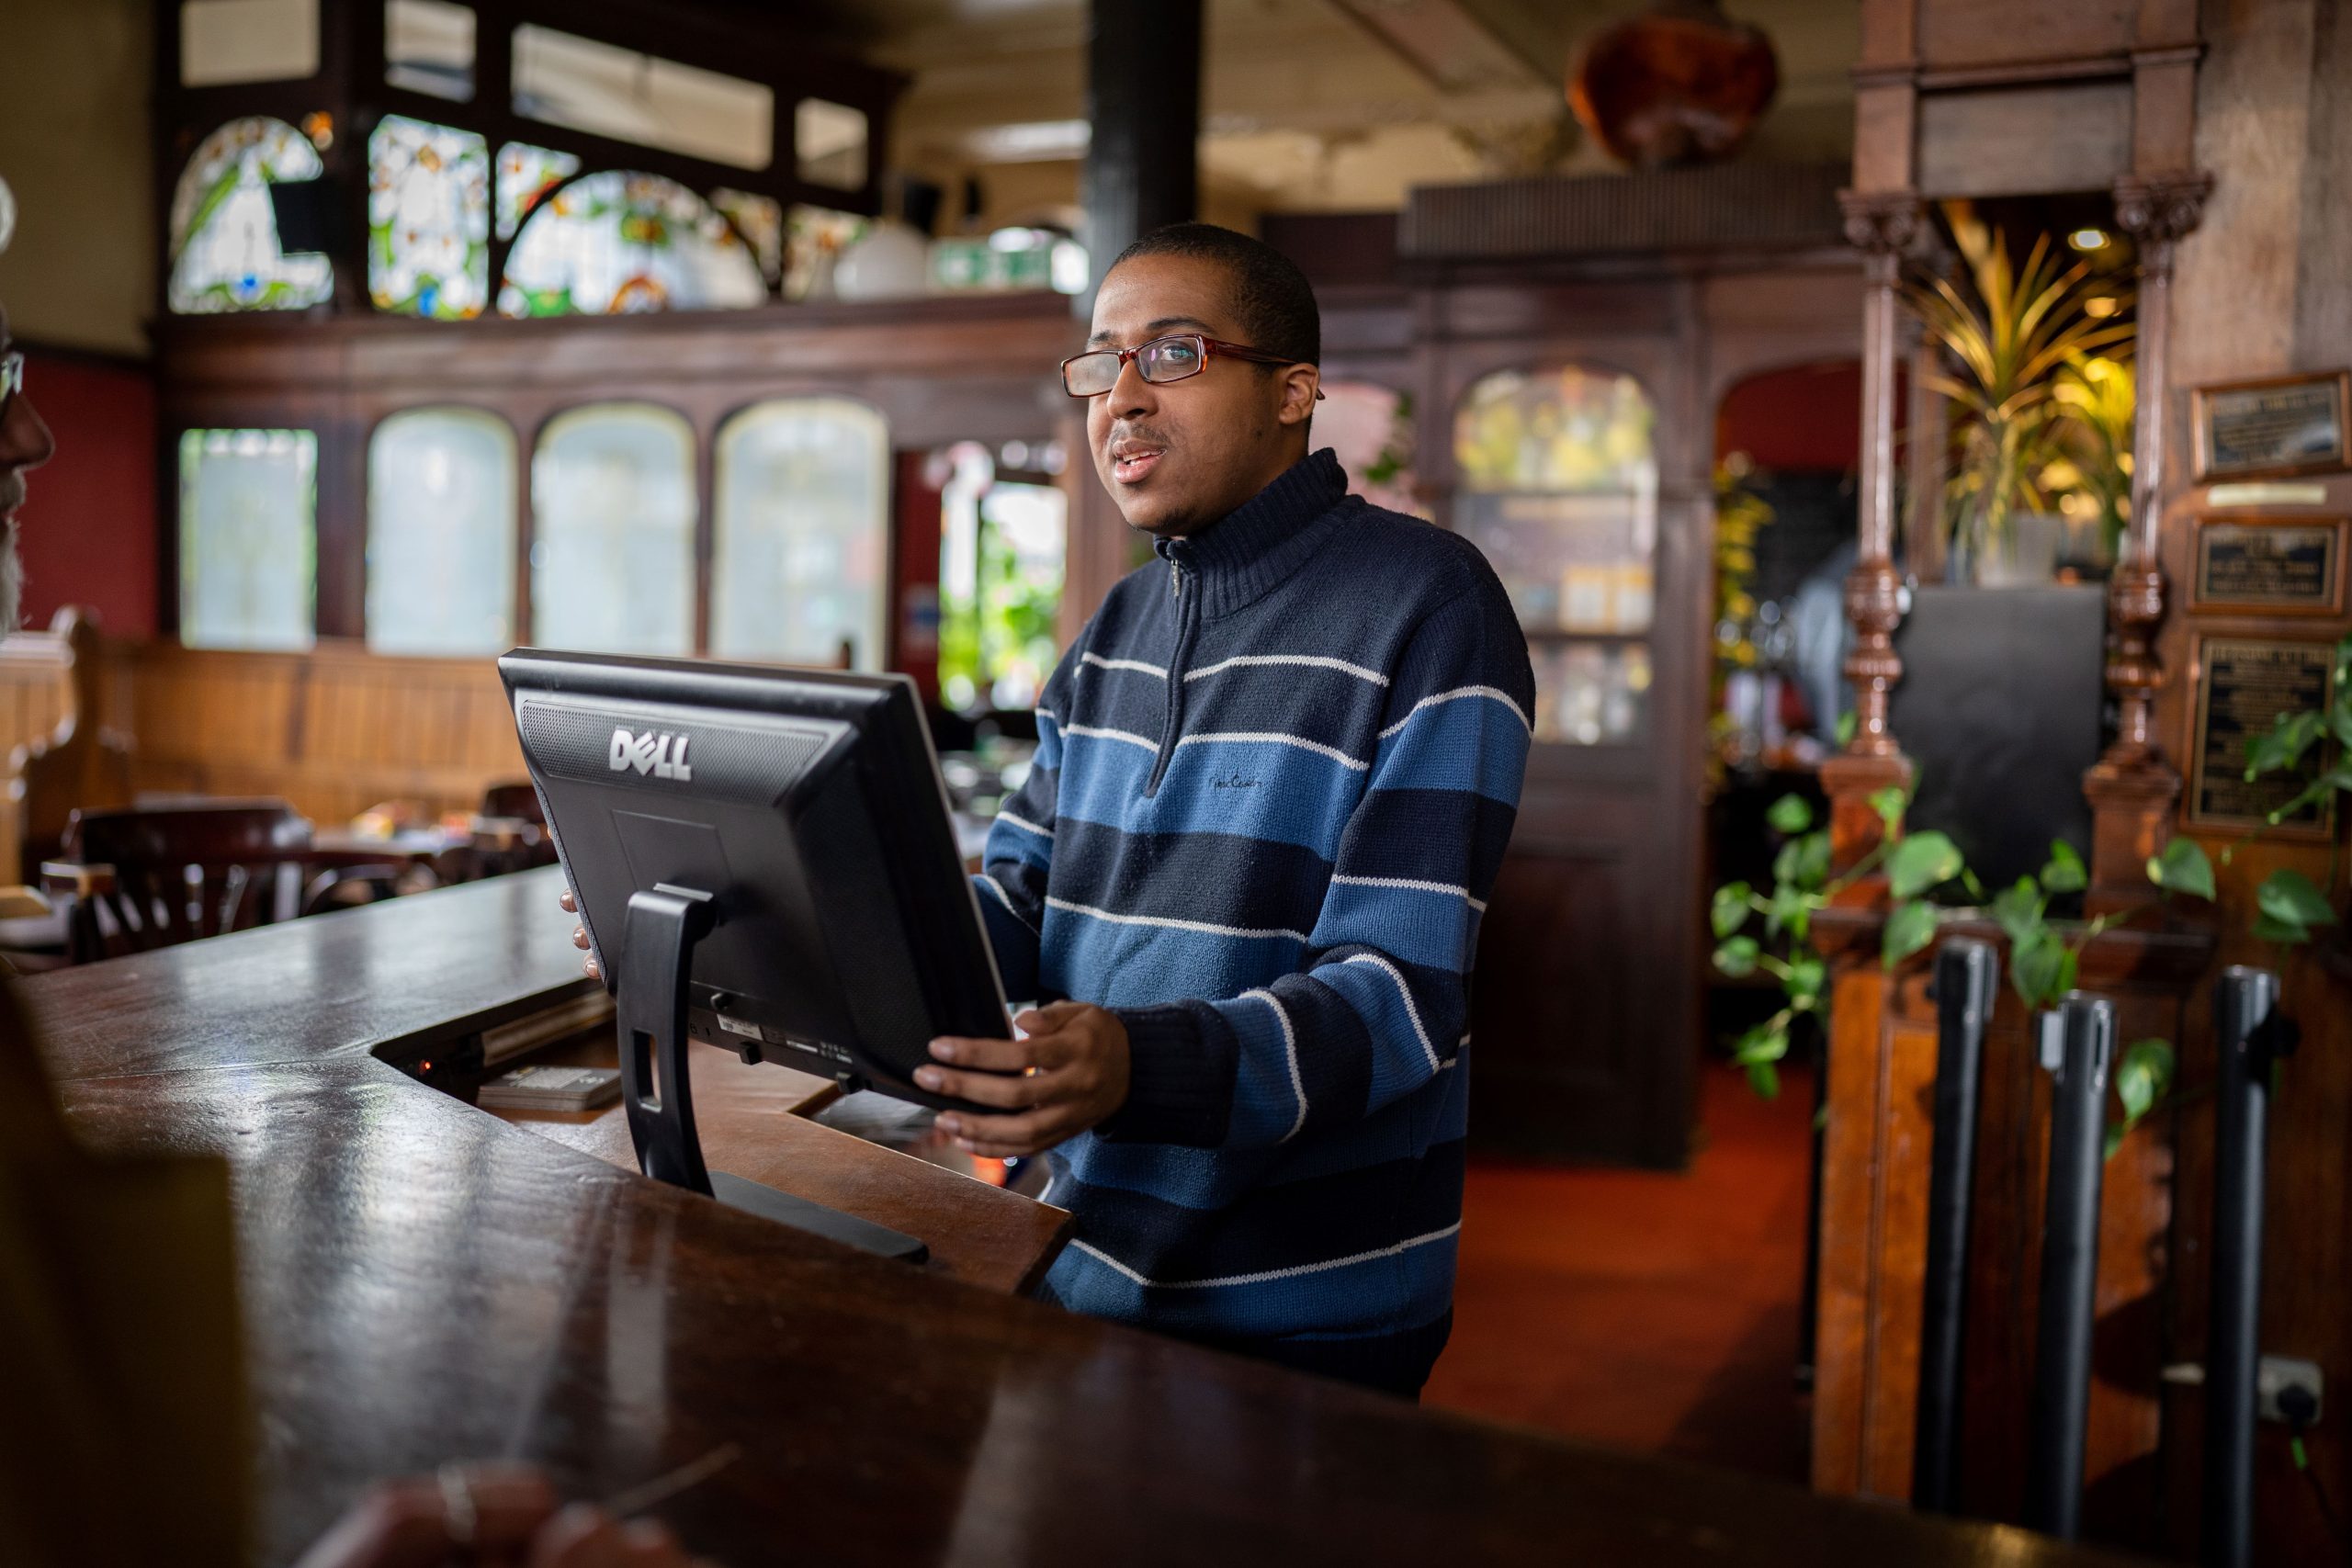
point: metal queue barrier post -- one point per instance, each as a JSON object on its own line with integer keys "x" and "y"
{"x": 2249, "y": 1036}
{"x": 2078, "y": 1046}
{"x": 1967, "y": 980}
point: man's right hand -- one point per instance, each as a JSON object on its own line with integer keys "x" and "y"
{"x": 579, "y": 937}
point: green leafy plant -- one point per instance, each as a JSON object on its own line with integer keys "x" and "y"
{"x": 2288, "y": 905}
{"x": 2044, "y": 954}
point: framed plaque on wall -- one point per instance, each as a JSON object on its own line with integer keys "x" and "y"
{"x": 2243, "y": 685}
{"x": 2280, "y": 425}
{"x": 2270, "y": 566}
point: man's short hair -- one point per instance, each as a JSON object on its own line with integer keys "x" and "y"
{"x": 1272, "y": 302}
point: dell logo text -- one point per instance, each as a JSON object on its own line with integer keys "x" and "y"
{"x": 663, "y": 756}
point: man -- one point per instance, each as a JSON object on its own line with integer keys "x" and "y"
{"x": 1275, "y": 779}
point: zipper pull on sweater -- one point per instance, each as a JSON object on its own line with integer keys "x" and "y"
{"x": 1188, "y": 625}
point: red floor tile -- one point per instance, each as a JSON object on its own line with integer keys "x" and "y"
{"x": 1644, "y": 1311}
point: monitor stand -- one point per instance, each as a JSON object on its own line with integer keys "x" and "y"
{"x": 664, "y": 924}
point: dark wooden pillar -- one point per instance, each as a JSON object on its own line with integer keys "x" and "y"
{"x": 1143, "y": 99}
{"x": 1882, "y": 225}
{"x": 2133, "y": 788}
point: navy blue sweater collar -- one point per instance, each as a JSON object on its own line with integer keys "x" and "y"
{"x": 1242, "y": 556}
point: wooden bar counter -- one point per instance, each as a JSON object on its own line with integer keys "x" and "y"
{"x": 423, "y": 1282}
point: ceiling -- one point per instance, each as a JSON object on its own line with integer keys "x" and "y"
{"x": 1309, "y": 104}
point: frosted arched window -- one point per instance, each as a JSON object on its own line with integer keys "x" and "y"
{"x": 802, "y": 527}
{"x": 249, "y": 572}
{"x": 224, "y": 234}
{"x": 428, "y": 219}
{"x": 1558, "y": 486}
{"x": 441, "y": 533}
{"x": 613, "y": 531}
{"x": 619, "y": 243}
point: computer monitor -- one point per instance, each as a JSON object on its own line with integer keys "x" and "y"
{"x": 765, "y": 861}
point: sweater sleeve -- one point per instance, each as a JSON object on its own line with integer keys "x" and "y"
{"x": 1020, "y": 851}
{"x": 1380, "y": 1004}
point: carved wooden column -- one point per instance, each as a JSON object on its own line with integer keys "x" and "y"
{"x": 1882, "y": 225}
{"x": 2133, "y": 788}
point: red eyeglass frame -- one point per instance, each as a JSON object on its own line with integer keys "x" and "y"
{"x": 1209, "y": 346}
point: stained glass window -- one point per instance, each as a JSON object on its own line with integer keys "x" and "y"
{"x": 760, "y": 219}
{"x": 1369, "y": 428}
{"x": 613, "y": 525}
{"x": 802, "y": 534}
{"x": 441, "y": 533}
{"x": 248, "y": 539}
{"x": 428, "y": 219}
{"x": 1558, "y": 472}
{"x": 525, "y": 171}
{"x": 224, "y": 236}
{"x": 619, "y": 243}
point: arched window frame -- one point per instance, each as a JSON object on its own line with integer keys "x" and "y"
{"x": 536, "y": 534}
{"x": 872, "y": 650}
{"x": 512, "y": 556}
{"x": 1588, "y": 623}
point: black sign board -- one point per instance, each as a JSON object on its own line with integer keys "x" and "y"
{"x": 2272, "y": 564}
{"x": 2244, "y": 684}
{"x": 2285, "y": 425}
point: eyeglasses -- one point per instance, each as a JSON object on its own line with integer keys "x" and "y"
{"x": 12, "y": 379}
{"x": 1164, "y": 359}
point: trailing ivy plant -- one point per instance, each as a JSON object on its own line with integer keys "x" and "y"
{"x": 1772, "y": 933}
{"x": 2288, "y": 905}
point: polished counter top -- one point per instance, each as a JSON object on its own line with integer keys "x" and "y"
{"x": 421, "y": 1281}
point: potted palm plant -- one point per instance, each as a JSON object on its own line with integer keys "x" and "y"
{"x": 2019, "y": 342}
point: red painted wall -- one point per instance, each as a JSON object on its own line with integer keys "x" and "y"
{"x": 1809, "y": 418}
{"x": 88, "y": 528}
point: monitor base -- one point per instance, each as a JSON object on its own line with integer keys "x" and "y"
{"x": 657, "y": 1090}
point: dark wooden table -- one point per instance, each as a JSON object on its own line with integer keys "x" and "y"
{"x": 421, "y": 1281}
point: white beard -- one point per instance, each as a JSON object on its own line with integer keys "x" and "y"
{"x": 12, "y": 581}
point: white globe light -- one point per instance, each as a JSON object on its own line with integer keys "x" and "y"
{"x": 892, "y": 262}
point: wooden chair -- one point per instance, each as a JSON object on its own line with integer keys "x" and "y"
{"x": 519, "y": 801}
{"x": 151, "y": 877}
{"x": 511, "y": 831}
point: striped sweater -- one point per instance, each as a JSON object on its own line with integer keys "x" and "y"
{"x": 1273, "y": 781}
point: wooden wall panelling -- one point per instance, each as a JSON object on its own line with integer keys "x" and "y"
{"x": 1958, "y": 33}
{"x": 2025, "y": 140}
{"x": 333, "y": 731}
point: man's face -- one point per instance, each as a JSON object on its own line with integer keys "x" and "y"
{"x": 25, "y": 444}
{"x": 1179, "y": 456}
